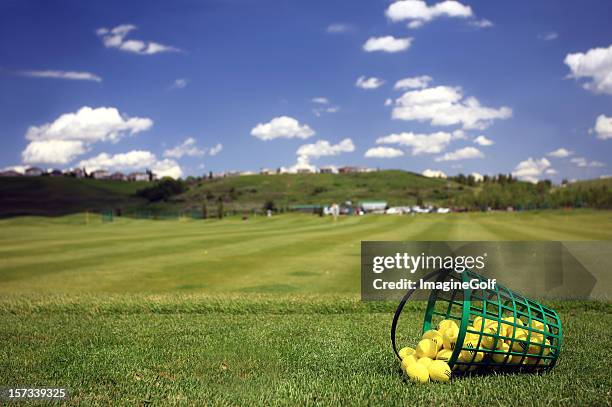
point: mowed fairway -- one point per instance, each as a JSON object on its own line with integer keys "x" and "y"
{"x": 290, "y": 254}
{"x": 263, "y": 311}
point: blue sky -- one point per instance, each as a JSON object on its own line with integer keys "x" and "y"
{"x": 182, "y": 86}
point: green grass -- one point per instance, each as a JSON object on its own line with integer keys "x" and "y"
{"x": 271, "y": 357}
{"x": 256, "y": 312}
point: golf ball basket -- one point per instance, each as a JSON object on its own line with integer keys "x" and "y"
{"x": 530, "y": 349}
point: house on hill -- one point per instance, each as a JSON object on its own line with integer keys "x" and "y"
{"x": 347, "y": 170}
{"x": 77, "y": 173}
{"x": 34, "y": 172}
{"x": 118, "y": 176}
{"x": 329, "y": 169}
{"x": 138, "y": 176}
{"x": 304, "y": 171}
{"x": 100, "y": 174}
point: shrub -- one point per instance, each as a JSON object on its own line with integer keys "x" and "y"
{"x": 162, "y": 190}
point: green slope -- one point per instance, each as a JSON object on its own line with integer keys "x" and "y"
{"x": 61, "y": 195}
{"x": 396, "y": 187}
{"x": 58, "y": 196}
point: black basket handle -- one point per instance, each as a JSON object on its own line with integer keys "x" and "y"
{"x": 400, "y": 307}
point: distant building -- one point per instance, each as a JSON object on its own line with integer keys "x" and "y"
{"x": 34, "y": 172}
{"x": 267, "y": 171}
{"x": 304, "y": 171}
{"x": 366, "y": 169}
{"x": 347, "y": 170}
{"x": 100, "y": 174}
{"x": 77, "y": 173}
{"x": 373, "y": 206}
{"x": 10, "y": 173}
{"x": 118, "y": 176}
{"x": 138, "y": 176}
{"x": 329, "y": 169}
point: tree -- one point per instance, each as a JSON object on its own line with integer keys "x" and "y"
{"x": 269, "y": 206}
{"x": 220, "y": 208}
{"x": 419, "y": 199}
{"x": 204, "y": 210}
{"x": 162, "y": 190}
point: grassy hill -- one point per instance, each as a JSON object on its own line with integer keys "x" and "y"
{"x": 396, "y": 187}
{"x": 58, "y": 196}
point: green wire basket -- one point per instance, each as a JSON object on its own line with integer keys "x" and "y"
{"x": 512, "y": 333}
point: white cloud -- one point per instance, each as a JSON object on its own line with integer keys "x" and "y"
{"x": 17, "y": 168}
{"x": 115, "y": 38}
{"x": 320, "y": 100}
{"x": 369, "y": 83}
{"x": 388, "y": 102}
{"x": 483, "y": 141}
{"x": 387, "y": 43}
{"x": 420, "y": 143}
{"x": 596, "y": 65}
{"x": 548, "y": 36}
{"x": 445, "y": 106}
{"x": 603, "y": 127}
{"x": 283, "y": 126}
{"x": 71, "y": 134}
{"x": 530, "y": 169}
{"x": 560, "y": 153}
{"x": 323, "y": 106}
{"x": 551, "y": 171}
{"x": 338, "y": 28}
{"x": 133, "y": 160}
{"x": 482, "y": 23}
{"x": 167, "y": 168}
{"x": 477, "y": 176}
{"x": 433, "y": 173}
{"x": 416, "y": 82}
{"x": 383, "y": 152}
{"x": 186, "y": 148}
{"x": 459, "y": 135}
{"x": 417, "y": 12}
{"x": 465, "y": 153}
{"x": 583, "y": 162}
{"x": 53, "y": 151}
{"x": 325, "y": 148}
{"x": 321, "y": 148}
{"x": 179, "y": 83}
{"x": 90, "y": 125}
{"x": 216, "y": 149}
{"x": 303, "y": 163}
{"x": 71, "y": 75}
